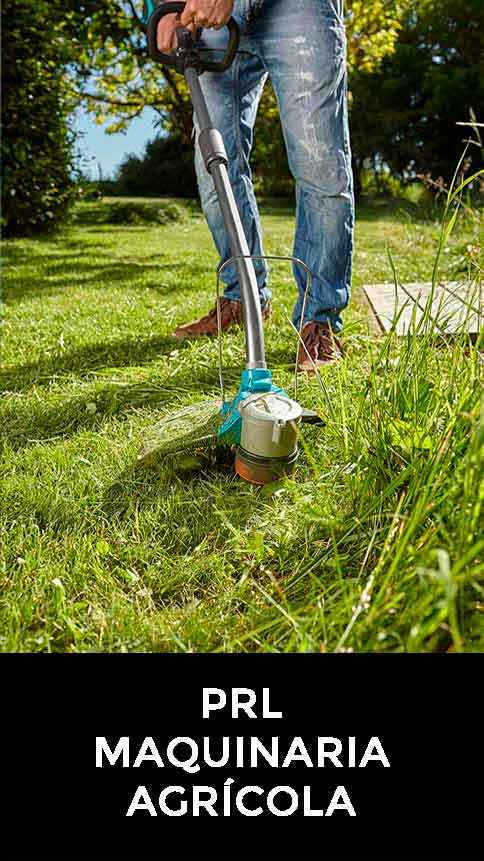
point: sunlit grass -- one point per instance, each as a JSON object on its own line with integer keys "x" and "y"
{"x": 375, "y": 544}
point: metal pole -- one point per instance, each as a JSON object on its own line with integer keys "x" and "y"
{"x": 251, "y": 310}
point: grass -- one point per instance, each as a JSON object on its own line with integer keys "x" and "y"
{"x": 375, "y": 544}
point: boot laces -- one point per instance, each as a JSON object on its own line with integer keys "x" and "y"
{"x": 316, "y": 334}
{"x": 224, "y": 301}
{"x": 320, "y": 341}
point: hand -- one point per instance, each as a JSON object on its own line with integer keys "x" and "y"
{"x": 207, "y": 13}
{"x": 166, "y": 33}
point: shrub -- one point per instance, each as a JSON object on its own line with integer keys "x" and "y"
{"x": 166, "y": 167}
{"x": 37, "y": 177}
{"x": 134, "y": 212}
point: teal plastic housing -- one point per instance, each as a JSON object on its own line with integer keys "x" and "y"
{"x": 253, "y": 381}
{"x": 149, "y": 7}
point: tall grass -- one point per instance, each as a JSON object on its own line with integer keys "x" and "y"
{"x": 411, "y": 441}
{"x": 375, "y": 544}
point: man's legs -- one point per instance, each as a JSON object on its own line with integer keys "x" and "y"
{"x": 303, "y": 47}
{"x": 233, "y": 98}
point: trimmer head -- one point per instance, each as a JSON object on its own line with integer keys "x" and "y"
{"x": 262, "y": 420}
{"x": 262, "y": 427}
{"x": 268, "y": 442}
{"x": 264, "y": 436}
{"x": 263, "y": 470}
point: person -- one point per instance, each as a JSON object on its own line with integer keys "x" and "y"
{"x": 301, "y": 47}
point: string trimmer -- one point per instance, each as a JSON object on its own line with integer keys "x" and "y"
{"x": 261, "y": 421}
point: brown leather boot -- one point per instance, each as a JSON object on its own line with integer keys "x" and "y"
{"x": 322, "y": 345}
{"x": 230, "y": 315}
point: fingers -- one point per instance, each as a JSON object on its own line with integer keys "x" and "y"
{"x": 207, "y": 13}
{"x": 189, "y": 15}
{"x": 197, "y": 13}
{"x": 216, "y": 22}
{"x": 165, "y": 35}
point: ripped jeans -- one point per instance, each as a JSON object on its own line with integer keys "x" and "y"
{"x": 300, "y": 45}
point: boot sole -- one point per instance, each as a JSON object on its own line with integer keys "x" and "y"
{"x": 308, "y": 369}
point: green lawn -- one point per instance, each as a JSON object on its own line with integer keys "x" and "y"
{"x": 376, "y": 543}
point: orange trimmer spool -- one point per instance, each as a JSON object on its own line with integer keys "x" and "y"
{"x": 263, "y": 470}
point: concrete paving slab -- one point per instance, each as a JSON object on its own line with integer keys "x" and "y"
{"x": 448, "y": 308}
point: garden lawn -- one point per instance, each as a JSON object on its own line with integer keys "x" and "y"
{"x": 376, "y": 543}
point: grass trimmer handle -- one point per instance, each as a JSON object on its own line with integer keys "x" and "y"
{"x": 179, "y": 58}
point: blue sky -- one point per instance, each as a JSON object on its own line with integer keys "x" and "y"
{"x": 109, "y": 150}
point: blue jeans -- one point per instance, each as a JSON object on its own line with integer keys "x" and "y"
{"x": 300, "y": 45}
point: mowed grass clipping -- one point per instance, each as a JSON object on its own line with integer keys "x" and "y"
{"x": 375, "y": 543}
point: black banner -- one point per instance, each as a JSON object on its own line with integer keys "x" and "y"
{"x": 375, "y": 757}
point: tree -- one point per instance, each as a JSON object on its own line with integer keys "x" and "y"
{"x": 405, "y": 112}
{"x": 166, "y": 167}
{"x": 37, "y": 184}
{"x": 43, "y": 40}
{"x": 116, "y": 80}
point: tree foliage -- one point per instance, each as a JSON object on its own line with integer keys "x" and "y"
{"x": 372, "y": 30}
{"x": 166, "y": 167}
{"x": 43, "y": 40}
{"x": 36, "y": 162}
{"x": 116, "y": 80}
{"x": 405, "y": 112}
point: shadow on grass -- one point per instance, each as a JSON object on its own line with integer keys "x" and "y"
{"x": 139, "y": 486}
{"x": 14, "y": 255}
{"x": 64, "y": 276}
{"x": 115, "y": 354}
{"x": 35, "y": 421}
